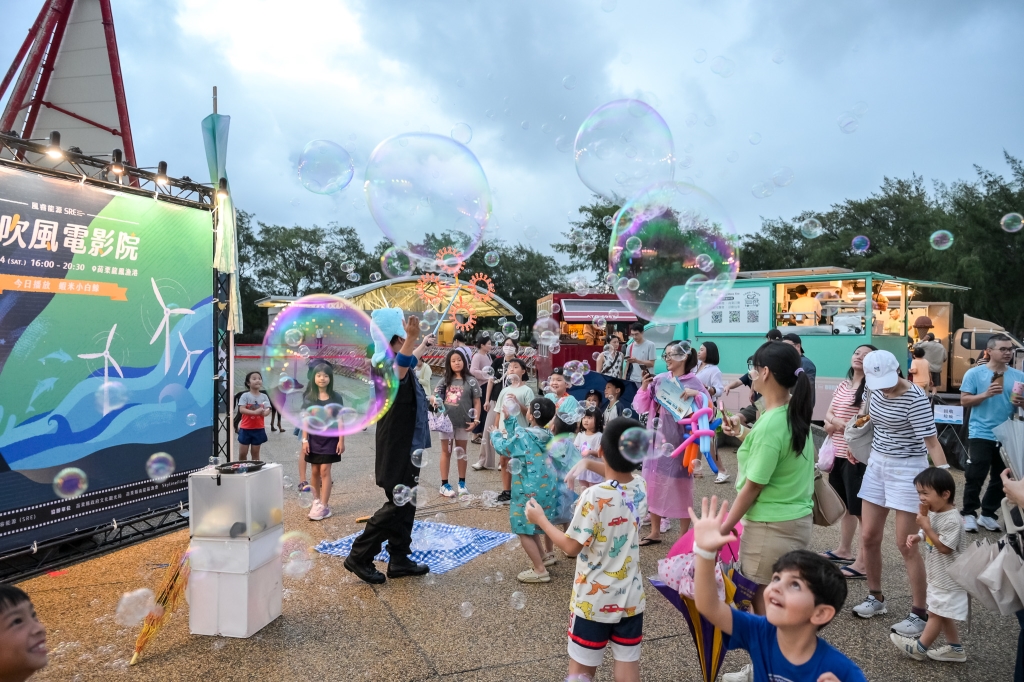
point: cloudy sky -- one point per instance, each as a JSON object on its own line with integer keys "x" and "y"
{"x": 937, "y": 87}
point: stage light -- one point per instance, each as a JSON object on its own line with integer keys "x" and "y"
{"x": 115, "y": 163}
{"x": 161, "y": 174}
{"x": 222, "y": 188}
{"x": 53, "y": 150}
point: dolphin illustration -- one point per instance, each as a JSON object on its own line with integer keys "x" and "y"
{"x": 42, "y": 386}
{"x": 59, "y": 355}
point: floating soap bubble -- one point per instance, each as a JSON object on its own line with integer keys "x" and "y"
{"x": 191, "y": 419}
{"x": 305, "y": 499}
{"x": 811, "y": 228}
{"x": 352, "y": 277}
{"x": 782, "y": 177}
{"x": 491, "y": 258}
{"x": 401, "y": 494}
{"x": 1012, "y": 222}
{"x": 327, "y": 265}
{"x": 627, "y": 413}
{"x": 517, "y": 600}
{"x": 515, "y": 466}
{"x": 348, "y": 266}
{"x": 847, "y": 123}
{"x": 70, "y": 483}
{"x": 563, "y": 143}
{"x": 519, "y": 317}
{"x": 700, "y": 55}
{"x": 941, "y": 240}
{"x": 418, "y": 458}
{"x": 325, "y": 167}
{"x": 287, "y": 483}
{"x": 460, "y": 453}
{"x": 710, "y": 121}
{"x": 635, "y": 443}
{"x": 466, "y": 609}
{"x": 508, "y": 328}
{"x": 364, "y": 389}
{"x": 633, "y": 244}
{"x": 395, "y": 263}
{"x": 779, "y": 55}
{"x": 733, "y": 157}
{"x": 293, "y": 337}
{"x": 462, "y": 133}
{"x": 546, "y": 330}
{"x": 860, "y": 244}
{"x": 569, "y": 82}
{"x": 705, "y": 263}
{"x": 763, "y": 190}
{"x": 416, "y": 495}
{"x": 755, "y": 138}
{"x": 322, "y": 252}
{"x": 623, "y": 146}
{"x": 133, "y": 607}
{"x": 110, "y": 396}
{"x": 374, "y": 276}
{"x": 723, "y": 66}
{"x": 676, "y": 223}
{"x": 159, "y": 466}
{"x": 296, "y": 551}
{"x": 428, "y": 193}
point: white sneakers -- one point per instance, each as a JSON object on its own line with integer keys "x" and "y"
{"x": 744, "y": 674}
{"x": 988, "y": 523}
{"x": 970, "y": 524}
{"x": 911, "y": 626}
{"x": 319, "y": 511}
{"x": 531, "y": 576}
{"x": 870, "y": 607}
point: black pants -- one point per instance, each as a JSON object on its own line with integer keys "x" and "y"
{"x": 392, "y": 523}
{"x": 983, "y": 461}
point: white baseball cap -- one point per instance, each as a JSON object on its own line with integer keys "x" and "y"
{"x": 880, "y": 370}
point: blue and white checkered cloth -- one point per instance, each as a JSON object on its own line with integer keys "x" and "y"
{"x": 441, "y": 546}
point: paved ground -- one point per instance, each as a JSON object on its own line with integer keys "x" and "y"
{"x": 335, "y": 627}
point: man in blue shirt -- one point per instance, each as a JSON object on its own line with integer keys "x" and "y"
{"x": 987, "y": 390}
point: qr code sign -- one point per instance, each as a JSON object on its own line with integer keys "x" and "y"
{"x": 716, "y": 317}
{"x": 753, "y": 317}
{"x": 734, "y": 316}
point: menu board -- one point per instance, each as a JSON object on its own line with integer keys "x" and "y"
{"x": 746, "y": 310}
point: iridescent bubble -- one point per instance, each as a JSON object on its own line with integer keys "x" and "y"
{"x": 941, "y": 240}
{"x": 70, "y": 483}
{"x": 325, "y": 167}
{"x": 632, "y": 284}
{"x": 600, "y": 322}
{"x": 546, "y": 330}
{"x": 159, "y": 466}
{"x": 191, "y": 419}
{"x": 293, "y": 337}
{"x": 860, "y": 245}
{"x": 700, "y": 55}
{"x": 418, "y": 457}
{"x": 395, "y": 263}
{"x": 462, "y": 133}
{"x": 508, "y": 328}
{"x": 782, "y": 177}
{"x": 723, "y": 66}
{"x": 401, "y": 494}
{"x": 847, "y": 122}
{"x": 635, "y": 443}
{"x": 569, "y": 82}
{"x": 633, "y": 244}
{"x": 133, "y": 607}
{"x": 676, "y": 223}
{"x": 466, "y": 609}
{"x": 555, "y": 308}
{"x": 705, "y": 262}
{"x": 623, "y": 146}
{"x": 1012, "y": 222}
{"x": 352, "y": 276}
{"x": 515, "y": 466}
{"x": 627, "y": 413}
{"x": 305, "y": 499}
{"x": 779, "y": 55}
{"x": 811, "y": 228}
{"x": 348, "y": 266}
{"x": 346, "y": 339}
{"x": 296, "y": 551}
{"x": 755, "y": 138}
{"x": 428, "y": 194}
{"x": 763, "y": 190}
{"x": 491, "y": 258}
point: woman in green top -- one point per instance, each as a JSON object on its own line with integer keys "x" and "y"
{"x": 776, "y": 466}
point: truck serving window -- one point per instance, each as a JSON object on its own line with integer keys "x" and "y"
{"x": 823, "y": 307}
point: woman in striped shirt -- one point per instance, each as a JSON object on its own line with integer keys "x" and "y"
{"x": 904, "y": 437}
{"x": 847, "y": 472}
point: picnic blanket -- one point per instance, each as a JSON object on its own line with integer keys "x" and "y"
{"x": 441, "y": 546}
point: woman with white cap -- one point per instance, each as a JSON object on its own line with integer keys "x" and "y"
{"x": 904, "y": 437}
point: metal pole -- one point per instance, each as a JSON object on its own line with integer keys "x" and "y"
{"x": 215, "y": 99}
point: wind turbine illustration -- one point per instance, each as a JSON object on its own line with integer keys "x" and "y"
{"x": 107, "y": 361}
{"x": 188, "y": 356}
{"x": 165, "y": 325}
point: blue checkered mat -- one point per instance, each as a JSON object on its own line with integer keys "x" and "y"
{"x": 441, "y": 546}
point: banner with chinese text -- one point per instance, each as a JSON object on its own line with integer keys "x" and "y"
{"x": 106, "y": 352}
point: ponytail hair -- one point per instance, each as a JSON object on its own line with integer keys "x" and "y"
{"x": 783, "y": 361}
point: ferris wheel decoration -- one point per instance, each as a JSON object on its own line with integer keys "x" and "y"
{"x": 483, "y": 282}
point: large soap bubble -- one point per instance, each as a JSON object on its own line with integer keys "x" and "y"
{"x": 325, "y": 167}
{"x": 687, "y": 260}
{"x": 428, "y": 193}
{"x": 622, "y": 147}
{"x": 363, "y": 391}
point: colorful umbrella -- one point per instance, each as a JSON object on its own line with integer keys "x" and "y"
{"x": 708, "y": 639}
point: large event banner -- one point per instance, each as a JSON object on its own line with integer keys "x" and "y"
{"x": 106, "y": 354}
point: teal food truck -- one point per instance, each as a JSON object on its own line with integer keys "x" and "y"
{"x": 827, "y": 307}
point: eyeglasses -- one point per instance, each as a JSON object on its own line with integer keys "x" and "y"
{"x": 672, "y": 356}
{"x": 1007, "y": 349}
{"x": 750, "y": 366}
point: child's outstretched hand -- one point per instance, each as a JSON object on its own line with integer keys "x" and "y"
{"x": 913, "y": 540}
{"x": 828, "y": 677}
{"x": 534, "y": 512}
{"x": 707, "y": 530}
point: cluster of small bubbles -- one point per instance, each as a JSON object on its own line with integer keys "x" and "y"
{"x": 352, "y": 277}
{"x": 860, "y": 245}
{"x": 782, "y": 177}
{"x": 374, "y": 276}
{"x": 723, "y": 66}
{"x": 401, "y": 494}
{"x": 462, "y": 133}
{"x": 191, "y": 419}
{"x": 348, "y": 266}
{"x": 70, "y": 483}
{"x": 811, "y": 228}
{"x": 305, "y": 499}
{"x": 941, "y": 240}
{"x": 700, "y": 55}
{"x": 517, "y": 600}
{"x": 466, "y": 609}
{"x": 635, "y": 443}
{"x": 159, "y": 466}
{"x": 133, "y": 607}
{"x": 1012, "y": 222}
{"x": 325, "y": 167}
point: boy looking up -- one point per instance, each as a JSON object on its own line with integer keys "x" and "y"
{"x": 22, "y": 636}
{"x": 806, "y": 592}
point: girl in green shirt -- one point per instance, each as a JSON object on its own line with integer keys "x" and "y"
{"x": 776, "y": 466}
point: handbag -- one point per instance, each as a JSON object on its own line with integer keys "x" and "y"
{"x": 1001, "y": 587}
{"x": 971, "y": 563}
{"x": 827, "y": 455}
{"x": 858, "y": 438}
{"x": 829, "y": 508}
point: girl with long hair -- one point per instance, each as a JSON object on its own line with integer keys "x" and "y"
{"x": 588, "y": 442}
{"x": 461, "y": 398}
{"x": 320, "y": 448}
{"x": 711, "y": 376}
{"x": 609, "y": 362}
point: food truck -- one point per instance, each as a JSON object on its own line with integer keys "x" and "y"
{"x": 579, "y": 337}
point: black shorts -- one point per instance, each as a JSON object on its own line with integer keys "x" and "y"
{"x": 315, "y": 458}
{"x": 252, "y": 436}
{"x": 845, "y": 478}
{"x": 588, "y": 639}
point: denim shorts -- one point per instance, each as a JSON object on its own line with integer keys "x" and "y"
{"x": 252, "y": 436}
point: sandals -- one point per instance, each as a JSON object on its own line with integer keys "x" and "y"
{"x": 645, "y": 542}
{"x": 852, "y": 573}
{"x": 834, "y": 558}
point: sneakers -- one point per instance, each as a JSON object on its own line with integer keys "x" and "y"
{"x": 477, "y": 467}
{"x": 948, "y": 654}
{"x": 550, "y": 559}
{"x": 988, "y": 523}
{"x": 463, "y": 490}
{"x": 870, "y": 607}
{"x": 646, "y": 521}
{"x": 531, "y": 576}
{"x": 722, "y": 477}
{"x": 504, "y": 497}
{"x": 909, "y": 646}
{"x": 744, "y": 674}
{"x": 447, "y": 490}
{"x": 970, "y": 524}
{"x": 319, "y": 511}
{"x": 666, "y": 525}
{"x": 911, "y": 626}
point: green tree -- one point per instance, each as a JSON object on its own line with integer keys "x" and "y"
{"x": 591, "y": 231}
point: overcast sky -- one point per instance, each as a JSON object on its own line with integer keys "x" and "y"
{"x": 941, "y": 82}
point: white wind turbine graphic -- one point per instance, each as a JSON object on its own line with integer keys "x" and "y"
{"x": 165, "y": 325}
{"x": 107, "y": 361}
{"x": 188, "y": 356}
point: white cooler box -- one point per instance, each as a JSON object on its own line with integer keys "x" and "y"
{"x": 234, "y": 604}
{"x": 235, "y": 505}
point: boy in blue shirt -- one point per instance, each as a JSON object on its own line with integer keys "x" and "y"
{"x": 806, "y": 592}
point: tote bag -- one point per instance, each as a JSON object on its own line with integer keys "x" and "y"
{"x": 858, "y": 438}
{"x": 829, "y": 508}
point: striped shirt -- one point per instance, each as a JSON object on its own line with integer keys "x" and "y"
{"x": 844, "y": 409}
{"x": 901, "y": 424}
